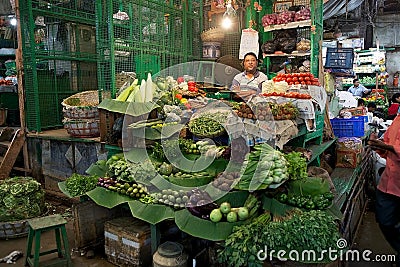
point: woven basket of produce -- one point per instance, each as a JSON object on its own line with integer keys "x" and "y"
{"x": 213, "y": 35}
{"x": 82, "y": 127}
{"x": 81, "y": 105}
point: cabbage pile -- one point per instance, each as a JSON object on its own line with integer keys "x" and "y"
{"x": 20, "y": 198}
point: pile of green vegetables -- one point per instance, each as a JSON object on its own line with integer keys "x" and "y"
{"x": 208, "y": 124}
{"x": 312, "y": 230}
{"x": 297, "y": 165}
{"x": 20, "y": 198}
{"x": 262, "y": 167}
{"x": 78, "y": 184}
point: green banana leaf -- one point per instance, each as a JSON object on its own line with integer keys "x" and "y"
{"x": 130, "y": 108}
{"x": 279, "y": 208}
{"x": 63, "y": 188}
{"x": 335, "y": 212}
{"x": 98, "y": 170}
{"x": 206, "y": 229}
{"x": 309, "y": 186}
{"x": 136, "y": 155}
{"x": 151, "y": 213}
{"x": 216, "y": 166}
{"x": 156, "y": 133}
{"x": 191, "y": 182}
{"x": 107, "y": 198}
{"x": 274, "y": 206}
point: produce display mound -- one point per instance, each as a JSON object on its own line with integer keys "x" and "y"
{"x": 81, "y": 114}
{"x": 21, "y": 199}
{"x": 81, "y": 105}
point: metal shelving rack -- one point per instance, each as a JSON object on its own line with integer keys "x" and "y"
{"x": 311, "y": 29}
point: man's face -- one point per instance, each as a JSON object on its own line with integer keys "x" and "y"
{"x": 356, "y": 83}
{"x": 250, "y": 63}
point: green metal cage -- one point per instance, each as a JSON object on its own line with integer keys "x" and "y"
{"x": 59, "y": 56}
{"x": 145, "y": 36}
{"x": 71, "y": 46}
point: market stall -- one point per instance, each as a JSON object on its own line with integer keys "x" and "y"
{"x": 214, "y": 166}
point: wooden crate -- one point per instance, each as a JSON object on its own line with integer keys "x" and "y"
{"x": 89, "y": 220}
{"x": 127, "y": 242}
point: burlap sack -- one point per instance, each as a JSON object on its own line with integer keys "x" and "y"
{"x": 314, "y": 171}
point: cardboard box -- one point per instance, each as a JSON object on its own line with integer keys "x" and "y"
{"x": 358, "y": 111}
{"x": 349, "y": 144}
{"x": 348, "y": 158}
{"x": 127, "y": 242}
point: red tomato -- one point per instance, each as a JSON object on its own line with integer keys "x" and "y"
{"x": 306, "y": 78}
{"x": 295, "y": 79}
{"x": 308, "y": 82}
{"x": 289, "y": 79}
{"x": 301, "y": 79}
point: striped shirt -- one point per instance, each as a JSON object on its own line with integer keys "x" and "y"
{"x": 246, "y": 84}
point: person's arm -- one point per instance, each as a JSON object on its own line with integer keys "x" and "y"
{"x": 365, "y": 89}
{"x": 350, "y": 90}
{"x": 384, "y": 145}
{"x": 380, "y": 145}
{"x": 235, "y": 85}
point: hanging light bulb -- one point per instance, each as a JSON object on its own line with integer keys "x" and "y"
{"x": 228, "y": 15}
{"x": 13, "y": 22}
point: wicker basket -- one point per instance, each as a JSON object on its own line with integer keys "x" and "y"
{"x": 81, "y": 105}
{"x": 213, "y": 35}
{"x": 82, "y": 127}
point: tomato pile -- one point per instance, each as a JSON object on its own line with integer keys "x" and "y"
{"x": 378, "y": 91}
{"x": 288, "y": 95}
{"x": 303, "y": 78}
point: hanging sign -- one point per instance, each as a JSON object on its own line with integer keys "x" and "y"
{"x": 248, "y": 42}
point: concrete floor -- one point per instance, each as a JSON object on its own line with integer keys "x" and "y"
{"x": 48, "y": 242}
{"x": 368, "y": 237}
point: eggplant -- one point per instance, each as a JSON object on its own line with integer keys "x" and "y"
{"x": 205, "y": 216}
{"x": 195, "y": 211}
{"x": 195, "y": 198}
{"x": 202, "y": 202}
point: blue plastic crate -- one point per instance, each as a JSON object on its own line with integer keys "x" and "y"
{"x": 353, "y": 127}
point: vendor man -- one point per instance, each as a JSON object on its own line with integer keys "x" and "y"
{"x": 358, "y": 89}
{"x": 250, "y": 81}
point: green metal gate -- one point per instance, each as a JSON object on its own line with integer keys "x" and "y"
{"x": 77, "y": 45}
{"x": 59, "y": 56}
{"x": 145, "y": 36}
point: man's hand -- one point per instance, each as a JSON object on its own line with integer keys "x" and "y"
{"x": 378, "y": 144}
{"x": 245, "y": 94}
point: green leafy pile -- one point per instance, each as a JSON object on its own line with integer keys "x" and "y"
{"x": 312, "y": 230}
{"x": 20, "y": 198}
{"x": 78, "y": 184}
{"x": 297, "y": 166}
